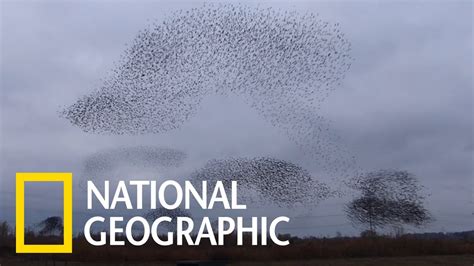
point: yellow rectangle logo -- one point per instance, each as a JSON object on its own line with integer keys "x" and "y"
{"x": 66, "y": 179}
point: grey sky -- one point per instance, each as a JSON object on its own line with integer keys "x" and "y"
{"x": 36, "y": 213}
{"x": 406, "y": 103}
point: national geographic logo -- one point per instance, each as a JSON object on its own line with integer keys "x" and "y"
{"x": 66, "y": 179}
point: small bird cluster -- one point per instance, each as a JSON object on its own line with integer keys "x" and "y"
{"x": 103, "y": 163}
{"x": 152, "y": 215}
{"x": 274, "y": 181}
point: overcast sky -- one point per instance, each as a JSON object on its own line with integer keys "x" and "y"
{"x": 406, "y": 103}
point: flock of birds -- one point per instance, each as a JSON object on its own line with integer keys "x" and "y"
{"x": 265, "y": 180}
{"x": 283, "y": 64}
{"x": 387, "y": 197}
{"x": 388, "y": 184}
{"x": 103, "y": 163}
{"x": 152, "y": 215}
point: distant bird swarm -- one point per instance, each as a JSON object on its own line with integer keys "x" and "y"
{"x": 101, "y": 164}
{"x": 283, "y": 64}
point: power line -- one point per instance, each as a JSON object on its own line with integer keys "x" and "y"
{"x": 314, "y": 226}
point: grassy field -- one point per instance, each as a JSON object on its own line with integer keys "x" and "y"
{"x": 434, "y": 249}
{"x": 456, "y": 260}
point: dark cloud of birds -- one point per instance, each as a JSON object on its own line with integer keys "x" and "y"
{"x": 274, "y": 181}
{"x": 387, "y": 197}
{"x": 283, "y": 64}
{"x": 278, "y": 61}
{"x": 389, "y": 184}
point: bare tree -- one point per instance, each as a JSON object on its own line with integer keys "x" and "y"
{"x": 387, "y": 197}
{"x": 51, "y": 225}
{"x": 4, "y": 230}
